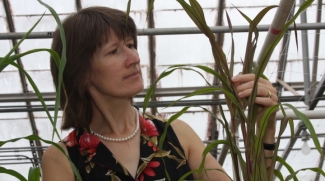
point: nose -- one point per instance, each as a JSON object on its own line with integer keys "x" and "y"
{"x": 132, "y": 56}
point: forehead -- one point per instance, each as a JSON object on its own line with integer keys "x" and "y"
{"x": 112, "y": 35}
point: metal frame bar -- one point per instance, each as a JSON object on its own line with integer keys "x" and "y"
{"x": 305, "y": 57}
{"x": 305, "y": 53}
{"x": 11, "y": 27}
{"x": 212, "y": 123}
{"x": 6, "y": 109}
{"x": 318, "y": 93}
{"x": 174, "y": 31}
{"x": 316, "y": 47}
{"x": 78, "y": 5}
{"x": 152, "y": 53}
{"x": 159, "y": 92}
{"x": 284, "y": 56}
{"x": 321, "y": 163}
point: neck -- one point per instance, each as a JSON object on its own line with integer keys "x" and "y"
{"x": 115, "y": 120}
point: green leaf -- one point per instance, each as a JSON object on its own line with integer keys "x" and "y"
{"x": 317, "y": 170}
{"x": 34, "y": 174}
{"x": 278, "y": 174}
{"x": 62, "y": 63}
{"x": 258, "y": 143}
{"x": 128, "y": 12}
{"x": 150, "y": 7}
{"x": 12, "y": 58}
{"x": 309, "y": 126}
{"x": 151, "y": 90}
{"x": 163, "y": 135}
{"x": 12, "y": 173}
{"x": 4, "y": 59}
{"x": 39, "y": 96}
{"x": 284, "y": 163}
{"x": 35, "y": 137}
{"x": 232, "y": 61}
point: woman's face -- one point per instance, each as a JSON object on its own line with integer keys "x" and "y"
{"x": 115, "y": 69}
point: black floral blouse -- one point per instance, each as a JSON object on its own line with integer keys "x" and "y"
{"x": 95, "y": 162}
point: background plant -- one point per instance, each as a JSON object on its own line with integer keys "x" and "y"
{"x": 251, "y": 167}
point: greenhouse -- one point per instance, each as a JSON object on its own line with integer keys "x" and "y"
{"x": 182, "y": 73}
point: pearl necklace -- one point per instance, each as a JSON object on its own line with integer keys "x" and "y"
{"x": 120, "y": 139}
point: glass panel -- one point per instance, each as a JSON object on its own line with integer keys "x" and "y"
{"x": 60, "y": 6}
{"x": 175, "y": 49}
{"x": 39, "y": 60}
{"x": 121, "y": 4}
{"x": 10, "y": 82}
{"x": 47, "y": 23}
{"x": 9, "y": 115}
{"x": 182, "y": 78}
{"x": 42, "y": 79}
{"x": 45, "y": 130}
{"x": 3, "y": 22}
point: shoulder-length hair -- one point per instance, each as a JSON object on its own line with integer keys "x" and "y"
{"x": 85, "y": 31}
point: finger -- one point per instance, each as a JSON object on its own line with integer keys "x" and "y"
{"x": 242, "y": 78}
{"x": 250, "y": 85}
{"x": 261, "y": 92}
{"x": 265, "y": 101}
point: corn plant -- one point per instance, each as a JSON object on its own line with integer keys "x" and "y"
{"x": 253, "y": 166}
{"x": 9, "y": 59}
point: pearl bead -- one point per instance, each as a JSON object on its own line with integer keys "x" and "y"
{"x": 121, "y": 139}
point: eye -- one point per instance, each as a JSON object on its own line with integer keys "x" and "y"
{"x": 112, "y": 52}
{"x": 130, "y": 45}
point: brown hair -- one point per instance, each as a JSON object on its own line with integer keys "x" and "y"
{"x": 85, "y": 31}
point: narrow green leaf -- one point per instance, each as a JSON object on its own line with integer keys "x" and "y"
{"x": 258, "y": 143}
{"x": 170, "y": 120}
{"x": 309, "y": 126}
{"x": 278, "y": 174}
{"x": 150, "y": 7}
{"x": 151, "y": 90}
{"x": 62, "y": 63}
{"x": 35, "y": 137}
{"x": 12, "y": 58}
{"x": 4, "y": 59}
{"x": 39, "y": 96}
{"x": 199, "y": 12}
{"x": 194, "y": 16}
{"x": 315, "y": 169}
{"x": 214, "y": 73}
{"x": 284, "y": 163}
{"x": 163, "y": 135}
{"x": 232, "y": 61}
{"x": 12, "y": 173}
{"x": 128, "y": 12}
{"x": 34, "y": 174}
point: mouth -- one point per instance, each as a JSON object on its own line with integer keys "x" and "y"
{"x": 132, "y": 75}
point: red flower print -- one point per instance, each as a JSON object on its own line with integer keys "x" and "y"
{"x": 154, "y": 147}
{"x": 88, "y": 143}
{"x": 148, "y": 128}
{"x": 148, "y": 170}
{"x": 70, "y": 140}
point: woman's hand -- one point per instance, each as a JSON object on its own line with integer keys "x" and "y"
{"x": 266, "y": 97}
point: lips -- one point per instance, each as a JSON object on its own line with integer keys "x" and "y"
{"x": 131, "y": 75}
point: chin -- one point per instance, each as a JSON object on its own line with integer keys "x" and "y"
{"x": 136, "y": 89}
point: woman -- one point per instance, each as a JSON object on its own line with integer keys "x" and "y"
{"x": 111, "y": 140}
